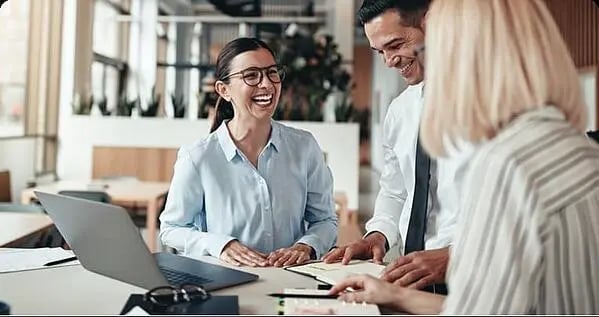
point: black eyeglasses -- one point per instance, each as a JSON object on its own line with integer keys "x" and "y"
{"x": 253, "y": 76}
{"x": 419, "y": 53}
{"x": 164, "y": 296}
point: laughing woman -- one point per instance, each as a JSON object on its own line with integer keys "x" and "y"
{"x": 253, "y": 192}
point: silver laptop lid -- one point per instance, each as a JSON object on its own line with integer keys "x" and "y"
{"x": 104, "y": 239}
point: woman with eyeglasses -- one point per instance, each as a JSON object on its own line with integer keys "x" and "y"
{"x": 253, "y": 192}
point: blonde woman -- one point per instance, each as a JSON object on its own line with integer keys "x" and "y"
{"x": 527, "y": 238}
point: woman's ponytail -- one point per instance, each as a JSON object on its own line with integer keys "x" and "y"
{"x": 224, "y": 111}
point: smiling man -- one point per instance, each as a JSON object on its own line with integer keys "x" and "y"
{"x": 407, "y": 212}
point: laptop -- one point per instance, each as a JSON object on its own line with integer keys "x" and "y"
{"x": 106, "y": 241}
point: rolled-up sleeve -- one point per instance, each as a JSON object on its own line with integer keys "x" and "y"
{"x": 321, "y": 233}
{"x": 183, "y": 221}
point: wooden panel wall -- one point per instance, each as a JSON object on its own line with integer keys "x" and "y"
{"x": 578, "y": 21}
{"x": 362, "y": 76}
{"x": 147, "y": 164}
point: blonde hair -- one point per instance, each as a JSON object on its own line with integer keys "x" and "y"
{"x": 487, "y": 61}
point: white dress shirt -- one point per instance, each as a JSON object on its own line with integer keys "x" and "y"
{"x": 393, "y": 204}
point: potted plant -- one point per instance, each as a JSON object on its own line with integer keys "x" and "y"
{"x": 153, "y": 104}
{"x": 179, "y": 106}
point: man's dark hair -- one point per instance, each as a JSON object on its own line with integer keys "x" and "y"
{"x": 410, "y": 11}
{"x": 2, "y": 2}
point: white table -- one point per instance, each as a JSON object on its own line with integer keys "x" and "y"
{"x": 19, "y": 226}
{"x": 72, "y": 290}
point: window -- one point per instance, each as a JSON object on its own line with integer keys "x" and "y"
{"x": 14, "y": 37}
{"x": 109, "y": 67}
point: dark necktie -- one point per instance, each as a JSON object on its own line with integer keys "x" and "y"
{"x": 417, "y": 226}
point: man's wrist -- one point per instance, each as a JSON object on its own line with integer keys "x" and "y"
{"x": 307, "y": 248}
{"x": 378, "y": 238}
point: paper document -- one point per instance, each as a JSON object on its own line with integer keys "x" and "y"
{"x": 335, "y": 272}
{"x": 311, "y": 306}
{"x": 13, "y": 260}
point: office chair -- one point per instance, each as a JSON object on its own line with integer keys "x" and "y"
{"x": 98, "y": 196}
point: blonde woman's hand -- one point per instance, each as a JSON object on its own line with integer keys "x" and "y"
{"x": 297, "y": 254}
{"x": 238, "y": 254}
{"x": 366, "y": 289}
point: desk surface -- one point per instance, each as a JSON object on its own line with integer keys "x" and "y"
{"x": 18, "y": 225}
{"x": 119, "y": 190}
{"x": 72, "y": 290}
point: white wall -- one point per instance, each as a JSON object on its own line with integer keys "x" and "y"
{"x": 18, "y": 156}
{"x": 79, "y": 134}
{"x": 589, "y": 90}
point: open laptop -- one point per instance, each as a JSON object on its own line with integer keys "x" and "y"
{"x": 107, "y": 242}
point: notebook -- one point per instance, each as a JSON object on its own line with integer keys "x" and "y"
{"x": 332, "y": 273}
{"x": 311, "y": 306}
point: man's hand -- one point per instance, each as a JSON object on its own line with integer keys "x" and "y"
{"x": 238, "y": 254}
{"x": 297, "y": 254}
{"x": 418, "y": 269}
{"x": 371, "y": 247}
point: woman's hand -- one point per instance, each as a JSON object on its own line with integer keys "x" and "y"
{"x": 297, "y": 254}
{"x": 366, "y": 289}
{"x": 376, "y": 291}
{"x": 238, "y": 254}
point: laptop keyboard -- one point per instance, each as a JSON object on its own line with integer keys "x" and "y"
{"x": 177, "y": 277}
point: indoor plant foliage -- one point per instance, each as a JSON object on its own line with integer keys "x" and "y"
{"x": 153, "y": 104}
{"x": 313, "y": 70}
{"x": 179, "y": 106}
{"x": 82, "y": 106}
{"x": 125, "y": 107}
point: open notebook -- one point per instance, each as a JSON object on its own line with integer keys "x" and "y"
{"x": 335, "y": 272}
{"x": 312, "y": 306}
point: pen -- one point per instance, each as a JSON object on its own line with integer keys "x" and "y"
{"x": 61, "y": 261}
{"x": 283, "y": 295}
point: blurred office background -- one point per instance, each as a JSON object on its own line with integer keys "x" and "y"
{"x": 103, "y": 89}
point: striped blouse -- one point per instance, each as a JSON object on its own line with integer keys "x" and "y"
{"x": 528, "y": 235}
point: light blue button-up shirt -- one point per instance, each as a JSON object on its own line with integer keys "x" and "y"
{"x": 217, "y": 195}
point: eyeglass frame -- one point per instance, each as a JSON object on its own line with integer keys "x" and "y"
{"x": 280, "y": 71}
{"x": 176, "y": 292}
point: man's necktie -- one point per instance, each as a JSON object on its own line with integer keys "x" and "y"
{"x": 417, "y": 226}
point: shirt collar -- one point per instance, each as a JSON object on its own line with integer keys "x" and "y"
{"x": 275, "y": 135}
{"x": 226, "y": 143}
{"x": 420, "y": 87}
{"x": 229, "y": 147}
